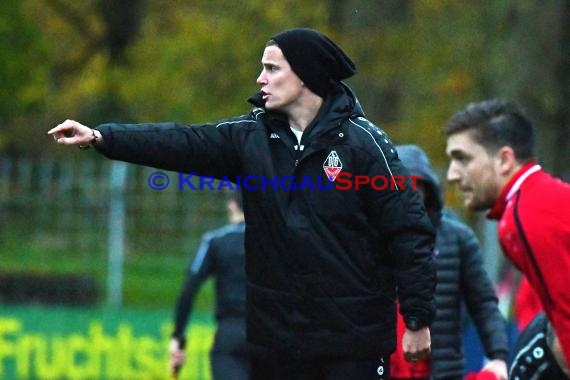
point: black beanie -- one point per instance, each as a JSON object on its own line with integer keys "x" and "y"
{"x": 314, "y": 58}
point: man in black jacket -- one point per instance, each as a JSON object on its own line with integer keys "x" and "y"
{"x": 334, "y": 230}
{"x": 220, "y": 255}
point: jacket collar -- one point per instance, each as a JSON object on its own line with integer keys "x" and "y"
{"x": 338, "y": 106}
{"x": 511, "y": 188}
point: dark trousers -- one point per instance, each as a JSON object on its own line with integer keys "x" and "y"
{"x": 229, "y": 366}
{"x": 229, "y": 359}
{"x": 284, "y": 367}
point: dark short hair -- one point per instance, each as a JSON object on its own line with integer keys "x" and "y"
{"x": 496, "y": 123}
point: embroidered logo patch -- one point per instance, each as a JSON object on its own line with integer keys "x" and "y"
{"x": 332, "y": 165}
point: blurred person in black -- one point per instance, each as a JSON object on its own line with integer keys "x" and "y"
{"x": 221, "y": 255}
{"x": 462, "y": 280}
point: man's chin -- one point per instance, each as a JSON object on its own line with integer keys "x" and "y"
{"x": 469, "y": 205}
{"x": 472, "y": 206}
{"x": 273, "y": 105}
{"x": 269, "y": 104}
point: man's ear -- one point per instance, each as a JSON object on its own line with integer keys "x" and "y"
{"x": 506, "y": 161}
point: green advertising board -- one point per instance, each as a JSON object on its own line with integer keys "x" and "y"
{"x": 95, "y": 343}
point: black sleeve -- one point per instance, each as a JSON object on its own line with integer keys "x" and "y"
{"x": 481, "y": 299}
{"x": 202, "y": 266}
{"x": 208, "y": 149}
{"x": 409, "y": 237}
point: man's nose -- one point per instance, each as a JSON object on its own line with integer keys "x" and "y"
{"x": 452, "y": 173}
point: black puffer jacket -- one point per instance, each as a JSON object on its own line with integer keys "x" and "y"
{"x": 322, "y": 264}
{"x": 462, "y": 279}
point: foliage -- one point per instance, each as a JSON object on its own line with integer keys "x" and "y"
{"x": 22, "y": 69}
{"x": 197, "y": 60}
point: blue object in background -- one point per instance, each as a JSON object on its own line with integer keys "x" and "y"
{"x": 473, "y": 349}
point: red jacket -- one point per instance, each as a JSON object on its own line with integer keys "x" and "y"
{"x": 399, "y": 367}
{"x": 527, "y": 304}
{"x": 534, "y": 231}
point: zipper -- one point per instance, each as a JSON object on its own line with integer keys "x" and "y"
{"x": 300, "y": 149}
{"x": 298, "y": 153}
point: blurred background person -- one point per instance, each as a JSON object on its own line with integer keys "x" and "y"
{"x": 461, "y": 279}
{"x": 221, "y": 255}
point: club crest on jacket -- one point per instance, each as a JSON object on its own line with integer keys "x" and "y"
{"x": 332, "y": 165}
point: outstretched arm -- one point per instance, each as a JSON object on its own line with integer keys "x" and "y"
{"x": 203, "y": 149}
{"x": 71, "y": 132}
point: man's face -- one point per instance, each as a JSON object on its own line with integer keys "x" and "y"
{"x": 280, "y": 86}
{"x": 473, "y": 170}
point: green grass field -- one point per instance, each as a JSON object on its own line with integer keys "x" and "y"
{"x": 151, "y": 279}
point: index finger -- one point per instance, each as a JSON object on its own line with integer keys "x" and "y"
{"x": 63, "y": 126}
{"x": 59, "y": 128}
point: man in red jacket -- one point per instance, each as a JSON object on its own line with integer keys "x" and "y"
{"x": 491, "y": 148}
